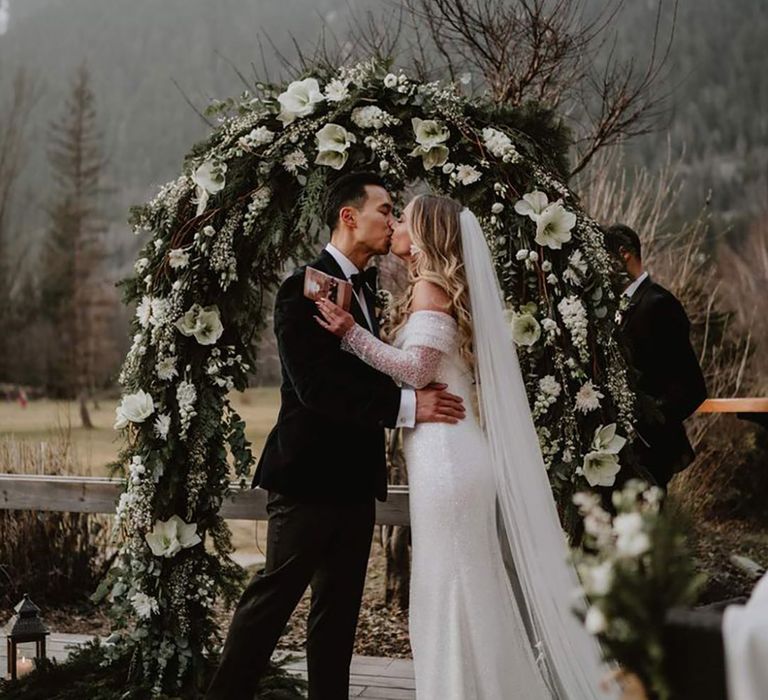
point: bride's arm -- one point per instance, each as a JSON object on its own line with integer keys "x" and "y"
{"x": 416, "y": 365}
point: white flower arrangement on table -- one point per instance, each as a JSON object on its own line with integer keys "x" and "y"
{"x": 250, "y": 198}
{"x": 634, "y": 566}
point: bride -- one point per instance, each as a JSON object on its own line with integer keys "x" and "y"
{"x": 475, "y": 634}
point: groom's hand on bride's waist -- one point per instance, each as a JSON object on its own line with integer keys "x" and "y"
{"x": 436, "y": 405}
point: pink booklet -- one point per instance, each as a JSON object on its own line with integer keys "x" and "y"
{"x": 318, "y": 284}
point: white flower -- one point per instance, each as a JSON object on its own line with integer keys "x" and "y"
{"x": 595, "y": 621}
{"x": 136, "y": 468}
{"x": 497, "y": 208}
{"x": 576, "y": 270}
{"x": 295, "y": 160}
{"x": 448, "y": 168}
{"x": 533, "y": 256}
{"x": 203, "y": 323}
{"x": 299, "y": 100}
{"x": 144, "y": 311}
{"x": 431, "y": 136}
{"x": 209, "y": 231}
{"x": 257, "y": 137}
{"x": 585, "y": 501}
{"x": 467, "y": 174}
{"x": 210, "y": 176}
{"x": 631, "y": 539}
{"x": 525, "y": 329}
{"x": 600, "y": 468}
{"x": 134, "y": 408}
{"x": 500, "y": 145}
{"x": 390, "y": 80}
{"x": 521, "y": 254}
{"x": 606, "y": 440}
{"x": 597, "y": 579}
{"x": 336, "y": 91}
{"x": 162, "y": 425}
{"x": 549, "y": 386}
{"x": 178, "y": 258}
{"x": 140, "y": 265}
{"x": 553, "y": 226}
{"x": 532, "y": 204}
{"x": 168, "y": 537}
{"x": 333, "y": 141}
{"x": 370, "y": 117}
{"x": 588, "y": 398}
{"x": 166, "y": 368}
{"x": 144, "y": 605}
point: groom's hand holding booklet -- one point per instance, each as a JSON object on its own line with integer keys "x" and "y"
{"x": 318, "y": 285}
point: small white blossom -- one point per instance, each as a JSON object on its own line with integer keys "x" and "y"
{"x": 467, "y": 174}
{"x": 178, "y": 258}
{"x": 166, "y": 368}
{"x": 390, "y": 80}
{"x": 145, "y": 606}
{"x": 595, "y": 621}
{"x": 337, "y": 90}
{"x": 295, "y": 160}
{"x": 588, "y": 398}
{"x": 162, "y": 425}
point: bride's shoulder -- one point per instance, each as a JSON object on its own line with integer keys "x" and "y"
{"x": 428, "y": 296}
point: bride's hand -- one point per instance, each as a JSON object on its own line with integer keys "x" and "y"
{"x": 334, "y": 318}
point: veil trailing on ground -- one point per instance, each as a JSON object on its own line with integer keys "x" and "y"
{"x": 569, "y": 656}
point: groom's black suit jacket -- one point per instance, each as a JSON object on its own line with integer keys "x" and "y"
{"x": 656, "y": 330}
{"x": 328, "y": 444}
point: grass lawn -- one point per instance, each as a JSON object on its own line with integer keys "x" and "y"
{"x": 55, "y": 423}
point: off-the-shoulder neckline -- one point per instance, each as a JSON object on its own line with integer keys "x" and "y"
{"x": 431, "y": 312}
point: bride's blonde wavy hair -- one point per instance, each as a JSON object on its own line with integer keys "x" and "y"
{"x": 435, "y": 229}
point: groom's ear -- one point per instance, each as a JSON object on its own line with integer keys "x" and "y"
{"x": 348, "y": 216}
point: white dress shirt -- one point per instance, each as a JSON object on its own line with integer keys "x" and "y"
{"x": 629, "y": 291}
{"x": 406, "y": 417}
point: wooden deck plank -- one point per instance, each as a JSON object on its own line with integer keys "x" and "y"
{"x": 371, "y": 676}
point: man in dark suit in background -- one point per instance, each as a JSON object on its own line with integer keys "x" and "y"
{"x": 324, "y": 462}
{"x": 655, "y": 327}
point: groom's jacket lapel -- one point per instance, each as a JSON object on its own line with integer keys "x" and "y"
{"x": 637, "y": 298}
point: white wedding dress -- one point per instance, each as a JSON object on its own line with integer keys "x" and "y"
{"x": 473, "y": 636}
{"x": 467, "y": 636}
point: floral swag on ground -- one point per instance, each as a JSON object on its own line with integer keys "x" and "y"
{"x": 249, "y": 200}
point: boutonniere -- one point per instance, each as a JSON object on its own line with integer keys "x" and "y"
{"x": 383, "y": 306}
{"x": 623, "y": 306}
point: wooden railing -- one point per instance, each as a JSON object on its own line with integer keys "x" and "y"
{"x": 92, "y": 494}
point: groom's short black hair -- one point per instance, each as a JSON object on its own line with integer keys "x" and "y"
{"x": 348, "y": 190}
{"x": 620, "y": 236}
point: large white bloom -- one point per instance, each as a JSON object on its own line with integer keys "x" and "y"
{"x": 299, "y": 100}
{"x": 203, "y": 323}
{"x": 431, "y": 137}
{"x": 606, "y": 440}
{"x": 600, "y": 468}
{"x": 134, "y": 408}
{"x": 211, "y": 176}
{"x": 525, "y": 329}
{"x": 532, "y": 204}
{"x": 333, "y": 141}
{"x": 168, "y": 537}
{"x": 553, "y": 226}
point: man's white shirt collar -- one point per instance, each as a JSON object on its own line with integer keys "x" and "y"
{"x": 629, "y": 291}
{"x": 347, "y": 266}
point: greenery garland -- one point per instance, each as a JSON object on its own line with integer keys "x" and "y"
{"x": 249, "y": 200}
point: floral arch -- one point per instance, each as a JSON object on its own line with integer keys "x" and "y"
{"x": 217, "y": 238}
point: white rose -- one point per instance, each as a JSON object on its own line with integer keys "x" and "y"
{"x": 134, "y": 408}
{"x": 178, "y": 258}
{"x": 553, "y": 226}
{"x": 299, "y": 100}
{"x": 390, "y": 80}
{"x": 532, "y": 204}
{"x": 525, "y": 329}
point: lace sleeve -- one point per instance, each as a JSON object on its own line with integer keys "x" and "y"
{"x": 428, "y": 338}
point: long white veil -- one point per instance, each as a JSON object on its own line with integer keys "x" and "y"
{"x": 570, "y": 657}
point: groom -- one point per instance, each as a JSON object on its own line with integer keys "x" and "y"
{"x": 324, "y": 463}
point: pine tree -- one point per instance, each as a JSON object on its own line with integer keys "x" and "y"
{"x": 76, "y": 298}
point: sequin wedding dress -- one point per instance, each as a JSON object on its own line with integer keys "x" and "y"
{"x": 472, "y": 637}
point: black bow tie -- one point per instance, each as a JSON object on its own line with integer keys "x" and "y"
{"x": 366, "y": 278}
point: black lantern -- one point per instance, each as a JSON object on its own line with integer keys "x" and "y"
{"x": 25, "y": 626}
